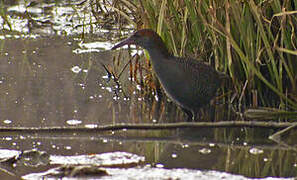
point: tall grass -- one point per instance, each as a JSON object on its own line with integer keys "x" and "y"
{"x": 254, "y": 42}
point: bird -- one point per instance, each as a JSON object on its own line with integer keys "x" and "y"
{"x": 189, "y": 83}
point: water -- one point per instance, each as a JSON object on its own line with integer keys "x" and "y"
{"x": 51, "y": 76}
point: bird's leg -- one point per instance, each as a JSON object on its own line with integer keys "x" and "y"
{"x": 191, "y": 116}
{"x": 194, "y": 115}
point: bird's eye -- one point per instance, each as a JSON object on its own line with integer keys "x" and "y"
{"x": 136, "y": 35}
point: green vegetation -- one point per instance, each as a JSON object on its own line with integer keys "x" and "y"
{"x": 254, "y": 42}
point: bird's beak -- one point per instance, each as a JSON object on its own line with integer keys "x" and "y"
{"x": 125, "y": 42}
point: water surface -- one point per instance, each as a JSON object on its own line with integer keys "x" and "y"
{"x": 51, "y": 76}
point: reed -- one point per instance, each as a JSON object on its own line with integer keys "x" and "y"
{"x": 254, "y": 42}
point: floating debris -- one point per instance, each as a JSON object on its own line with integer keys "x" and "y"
{"x": 72, "y": 171}
{"x": 146, "y": 172}
{"x": 204, "y": 151}
{"x": 73, "y": 122}
{"x": 91, "y": 125}
{"x": 76, "y": 69}
{"x": 114, "y": 159}
{"x": 256, "y": 151}
{"x": 31, "y": 158}
{"x": 7, "y": 121}
{"x": 174, "y": 156}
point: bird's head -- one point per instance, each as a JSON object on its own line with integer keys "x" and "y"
{"x": 145, "y": 38}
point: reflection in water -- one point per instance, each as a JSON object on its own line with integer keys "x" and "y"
{"x": 55, "y": 81}
{"x": 44, "y": 84}
{"x": 40, "y": 88}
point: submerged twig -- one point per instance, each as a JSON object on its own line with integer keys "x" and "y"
{"x": 146, "y": 126}
{"x": 111, "y": 75}
{"x": 269, "y": 113}
{"x": 126, "y": 65}
{"x": 277, "y": 136}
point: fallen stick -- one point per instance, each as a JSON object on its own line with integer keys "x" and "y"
{"x": 147, "y": 126}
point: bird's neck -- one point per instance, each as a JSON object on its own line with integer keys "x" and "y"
{"x": 159, "y": 58}
{"x": 158, "y": 53}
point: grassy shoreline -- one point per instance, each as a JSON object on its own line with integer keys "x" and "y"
{"x": 254, "y": 42}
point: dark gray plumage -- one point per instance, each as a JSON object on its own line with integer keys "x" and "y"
{"x": 188, "y": 82}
